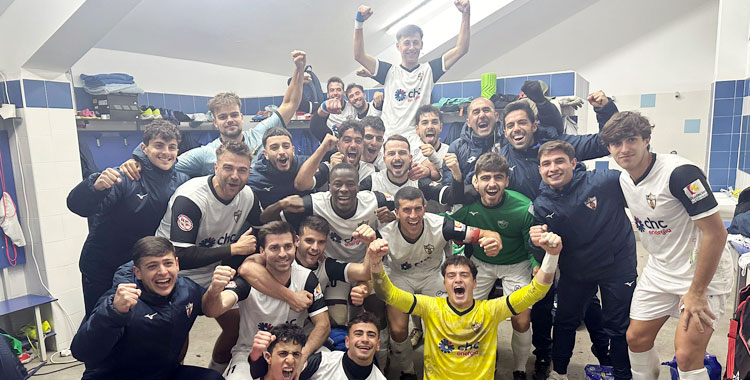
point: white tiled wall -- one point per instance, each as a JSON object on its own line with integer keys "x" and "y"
{"x": 50, "y": 162}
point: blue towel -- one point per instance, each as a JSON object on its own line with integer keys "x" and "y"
{"x": 113, "y": 88}
{"x": 103, "y": 79}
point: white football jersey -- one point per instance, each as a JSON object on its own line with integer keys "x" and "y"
{"x": 664, "y": 203}
{"x": 259, "y": 311}
{"x": 348, "y": 113}
{"x": 196, "y": 216}
{"x": 328, "y": 366}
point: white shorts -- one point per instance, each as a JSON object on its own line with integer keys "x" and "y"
{"x": 238, "y": 368}
{"x": 514, "y": 276}
{"x": 426, "y": 284}
{"x": 649, "y": 303}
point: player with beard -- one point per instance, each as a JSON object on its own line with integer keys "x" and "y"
{"x": 689, "y": 274}
{"x": 259, "y": 311}
{"x": 354, "y": 364}
{"x": 204, "y": 219}
{"x": 398, "y": 162}
{"x": 510, "y": 214}
{"x": 314, "y": 172}
{"x": 373, "y": 142}
{"x": 226, "y": 108}
{"x": 310, "y": 254}
{"x": 429, "y": 124}
{"x": 117, "y": 334}
{"x": 272, "y": 177}
{"x": 419, "y": 243}
{"x": 461, "y": 332}
{"x": 336, "y": 109}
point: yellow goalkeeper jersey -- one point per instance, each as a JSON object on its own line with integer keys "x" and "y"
{"x": 459, "y": 344}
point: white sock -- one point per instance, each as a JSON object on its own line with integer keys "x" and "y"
{"x": 403, "y": 354}
{"x": 644, "y": 365}
{"x": 696, "y": 374}
{"x": 520, "y": 343}
{"x": 218, "y": 367}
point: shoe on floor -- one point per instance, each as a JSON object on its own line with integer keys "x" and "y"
{"x": 541, "y": 369}
{"x": 556, "y": 376}
{"x": 603, "y": 357}
{"x": 415, "y": 336}
{"x": 519, "y": 375}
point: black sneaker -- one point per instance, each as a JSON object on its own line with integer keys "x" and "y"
{"x": 541, "y": 369}
{"x": 407, "y": 376}
{"x": 519, "y": 375}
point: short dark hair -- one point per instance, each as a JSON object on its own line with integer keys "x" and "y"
{"x": 408, "y": 193}
{"x": 334, "y": 80}
{"x": 287, "y": 333}
{"x": 275, "y": 131}
{"x": 356, "y": 125}
{"x": 161, "y": 128}
{"x": 374, "y": 122}
{"x": 237, "y": 147}
{"x": 491, "y": 162}
{"x": 151, "y": 246}
{"x": 343, "y": 166}
{"x": 315, "y": 223}
{"x": 427, "y": 108}
{"x": 553, "y": 145}
{"x": 409, "y": 30}
{"x": 364, "y": 317}
{"x": 459, "y": 260}
{"x": 521, "y": 105}
{"x": 397, "y": 138}
{"x": 623, "y": 125}
{"x": 277, "y": 227}
{"x": 351, "y": 86}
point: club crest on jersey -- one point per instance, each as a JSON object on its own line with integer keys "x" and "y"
{"x": 420, "y": 76}
{"x": 695, "y": 191}
{"x": 476, "y": 326}
{"x": 503, "y": 224}
{"x": 237, "y": 215}
{"x": 591, "y": 203}
{"x": 429, "y": 248}
{"x": 184, "y": 223}
{"x": 458, "y": 226}
{"x": 651, "y": 199}
{"x": 317, "y": 293}
{"x": 189, "y": 309}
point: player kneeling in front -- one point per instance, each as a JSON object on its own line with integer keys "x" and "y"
{"x": 460, "y": 332}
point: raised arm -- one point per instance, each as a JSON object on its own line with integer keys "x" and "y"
{"x": 304, "y": 180}
{"x": 97, "y": 193}
{"x": 462, "y": 44}
{"x": 293, "y": 93}
{"x": 259, "y": 278}
{"x": 216, "y": 301}
{"x": 367, "y": 61}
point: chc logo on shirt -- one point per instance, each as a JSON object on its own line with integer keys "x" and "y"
{"x": 468, "y": 349}
{"x": 654, "y": 227}
{"x": 411, "y": 96}
{"x": 211, "y": 241}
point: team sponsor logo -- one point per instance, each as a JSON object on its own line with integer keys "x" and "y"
{"x": 401, "y": 95}
{"x": 653, "y": 227}
{"x": 237, "y": 215}
{"x": 264, "y": 326}
{"x": 468, "y": 349}
{"x": 207, "y": 242}
{"x": 458, "y": 226}
{"x": 651, "y": 199}
{"x": 317, "y": 293}
{"x": 141, "y": 196}
{"x": 591, "y": 203}
{"x": 476, "y": 326}
{"x": 150, "y": 316}
{"x": 406, "y": 266}
{"x": 189, "y": 309}
{"x": 184, "y": 223}
{"x": 349, "y": 242}
{"x": 471, "y": 159}
{"x": 473, "y": 213}
{"x": 695, "y": 191}
{"x": 231, "y": 285}
{"x": 502, "y": 224}
{"x": 429, "y": 248}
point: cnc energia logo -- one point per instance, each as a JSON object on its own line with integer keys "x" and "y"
{"x": 468, "y": 349}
